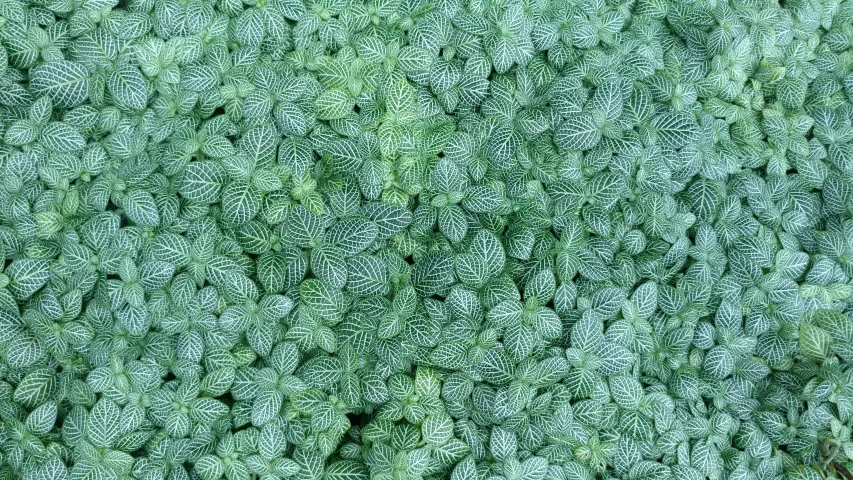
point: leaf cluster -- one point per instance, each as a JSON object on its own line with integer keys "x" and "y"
{"x": 422, "y": 240}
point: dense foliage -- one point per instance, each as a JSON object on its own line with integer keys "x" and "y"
{"x": 413, "y": 239}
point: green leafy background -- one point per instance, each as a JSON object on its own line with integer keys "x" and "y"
{"x": 422, "y": 240}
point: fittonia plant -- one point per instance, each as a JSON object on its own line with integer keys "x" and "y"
{"x": 413, "y": 240}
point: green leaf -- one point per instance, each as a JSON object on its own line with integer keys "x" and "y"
{"x": 25, "y": 350}
{"x": 250, "y": 27}
{"x": 328, "y": 302}
{"x": 172, "y": 248}
{"x": 814, "y": 342}
{"x": 719, "y": 362}
{"x": 503, "y": 443}
{"x": 42, "y": 420}
{"x": 266, "y": 407}
{"x": 61, "y": 137}
{"x": 367, "y": 276}
{"x": 464, "y": 470}
{"x": 433, "y": 273}
{"x": 334, "y": 104}
{"x": 390, "y": 219}
{"x": 290, "y": 119}
{"x": 579, "y": 132}
{"x": 437, "y": 429}
{"x": 140, "y": 207}
{"x": 534, "y": 468}
{"x": 414, "y": 59}
{"x": 675, "y": 130}
{"x": 241, "y": 201}
{"x": 304, "y": 227}
{"x": 104, "y": 424}
{"x": 22, "y": 132}
{"x": 209, "y": 467}
{"x": 452, "y": 223}
{"x": 53, "y": 469}
{"x": 705, "y": 196}
{"x": 627, "y": 392}
{"x": 401, "y": 102}
{"x": 67, "y": 83}
{"x": 353, "y": 235}
{"x": 203, "y": 181}
{"x": 329, "y": 265}
{"x": 36, "y": 387}
{"x": 506, "y": 313}
{"x": 128, "y": 87}
{"x": 27, "y": 276}
{"x": 605, "y": 189}
{"x": 345, "y": 470}
{"x": 206, "y": 410}
{"x": 199, "y": 78}
{"x": 321, "y": 371}
{"x": 497, "y": 368}
{"x": 481, "y": 199}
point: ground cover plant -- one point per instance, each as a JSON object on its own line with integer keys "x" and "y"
{"x": 421, "y": 240}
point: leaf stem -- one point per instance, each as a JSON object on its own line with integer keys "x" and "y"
{"x": 843, "y": 471}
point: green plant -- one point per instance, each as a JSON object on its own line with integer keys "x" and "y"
{"x": 411, "y": 239}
